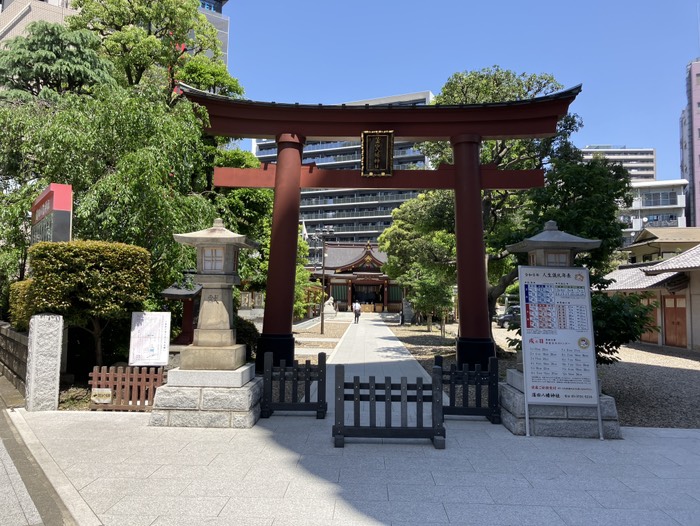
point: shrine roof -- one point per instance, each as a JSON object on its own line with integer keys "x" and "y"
{"x": 535, "y": 117}
{"x": 345, "y": 254}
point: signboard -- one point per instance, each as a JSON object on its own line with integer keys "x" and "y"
{"x": 150, "y": 338}
{"x": 101, "y": 395}
{"x": 377, "y": 153}
{"x": 557, "y": 336}
{"x": 52, "y": 214}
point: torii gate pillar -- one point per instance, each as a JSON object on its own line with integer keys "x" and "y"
{"x": 472, "y": 290}
{"x": 277, "y": 335}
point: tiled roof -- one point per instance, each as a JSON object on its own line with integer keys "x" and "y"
{"x": 634, "y": 278}
{"x": 688, "y": 260}
{"x": 343, "y": 254}
{"x": 667, "y": 235}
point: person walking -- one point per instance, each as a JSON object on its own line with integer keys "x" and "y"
{"x": 357, "y": 309}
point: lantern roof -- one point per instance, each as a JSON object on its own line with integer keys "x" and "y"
{"x": 553, "y": 238}
{"x": 218, "y": 234}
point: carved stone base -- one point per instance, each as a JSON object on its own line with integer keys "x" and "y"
{"x": 191, "y": 405}
{"x": 212, "y": 358}
{"x": 554, "y": 420}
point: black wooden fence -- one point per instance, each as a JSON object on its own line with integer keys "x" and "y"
{"x": 472, "y": 391}
{"x": 371, "y": 395}
{"x": 292, "y": 387}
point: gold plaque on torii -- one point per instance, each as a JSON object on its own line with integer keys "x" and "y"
{"x": 377, "y": 153}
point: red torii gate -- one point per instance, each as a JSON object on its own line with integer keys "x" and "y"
{"x": 465, "y": 126}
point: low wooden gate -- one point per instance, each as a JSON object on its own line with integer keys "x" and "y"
{"x": 466, "y": 388}
{"x": 362, "y": 393}
{"x": 290, "y": 382}
{"x": 130, "y": 388}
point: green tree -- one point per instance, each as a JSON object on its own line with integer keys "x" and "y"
{"x": 51, "y": 60}
{"x": 143, "y": 39}
{"x": 428, "y": 291}
{"x": 90, "y": 283}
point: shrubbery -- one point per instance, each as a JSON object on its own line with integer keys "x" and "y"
{"x": 87, "y": 282}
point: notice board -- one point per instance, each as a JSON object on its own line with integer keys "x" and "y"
{"x": 150, "y": 338}
{"x": 557, "y": 336}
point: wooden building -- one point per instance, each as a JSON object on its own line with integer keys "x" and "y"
{"x": 353, "y": 273}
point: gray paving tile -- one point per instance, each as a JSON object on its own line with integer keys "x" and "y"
{"x": 572, "y": 482}
{"x": 605, "y": 517}
{"x": 323, "y": 489}
{"x": 239, "y": 508}
{"x": 684, "y": 517}
{"x": 168, "y": 505}
{"x": 121, "y": 520}
{"x": 426, "y": 493}
{"x": 211, "y": 521}
{"x": 456, "y": 479}
{"x": 389, "y": 512}
{"x": 234, "y": 488}
{"x": 542, "y": 497}
{"x": 647, "y": 500}
{"x": 499, "y": 515}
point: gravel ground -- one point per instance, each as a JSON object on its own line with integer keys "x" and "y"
{"x": 652, "y": 386}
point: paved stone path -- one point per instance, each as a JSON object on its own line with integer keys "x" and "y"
{"x": 113, "y": 469}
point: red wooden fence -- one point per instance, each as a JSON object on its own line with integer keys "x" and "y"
{"x": 133, "y": 388}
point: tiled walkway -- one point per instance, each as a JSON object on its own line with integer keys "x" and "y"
{"x": 113, "y": 469}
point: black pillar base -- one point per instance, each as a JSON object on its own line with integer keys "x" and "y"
{"x": 475, "y": 351}
{"x": 280, "y": 345}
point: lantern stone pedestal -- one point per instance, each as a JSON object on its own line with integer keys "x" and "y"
{"x": 213, "y": 387}
{"x": 553, "y": 420}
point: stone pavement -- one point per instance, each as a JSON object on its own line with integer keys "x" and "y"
{"x": 113, "y": 469}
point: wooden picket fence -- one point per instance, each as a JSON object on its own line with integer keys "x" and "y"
{"x": 133, "y": 388}
{"x": 386, "y": 394}
{"x": 292, "y": 384}
{"x": 471, "y": 391}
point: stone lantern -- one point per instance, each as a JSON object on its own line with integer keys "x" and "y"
{"x": 552, "y": 248}
{"x": 214, "y": 344}
{"x": 214, "y": 386}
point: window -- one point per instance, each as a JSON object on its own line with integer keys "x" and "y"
{"x": 213, "y": 259}
{"x": 557, "y": 259}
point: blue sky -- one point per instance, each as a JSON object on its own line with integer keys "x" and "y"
{"x": 630, "y": 56}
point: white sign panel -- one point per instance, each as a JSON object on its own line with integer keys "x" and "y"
{"x": 557, "y": 336}
{"x": 150, "y": 338}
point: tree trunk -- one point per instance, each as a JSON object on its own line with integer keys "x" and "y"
{"x": 430, "y": 322}
{"x": 442, "y": 326}
{"x": 97, "y": 336}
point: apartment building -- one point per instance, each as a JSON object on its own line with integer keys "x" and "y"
{"x": 639, "y": 162}
{"x": 654, "y": 204}
{"x": 356, "y": 216}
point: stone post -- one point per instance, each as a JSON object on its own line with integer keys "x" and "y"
{"x": 44, "y": 362}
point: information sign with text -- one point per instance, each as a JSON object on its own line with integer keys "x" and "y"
{"x": 150, "y": 338}
{"x": 557, "y": 336}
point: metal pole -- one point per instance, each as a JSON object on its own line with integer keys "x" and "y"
{"x": 323, "y": 278}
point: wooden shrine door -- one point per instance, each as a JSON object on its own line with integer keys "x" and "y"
{"x": 675, "y": 330}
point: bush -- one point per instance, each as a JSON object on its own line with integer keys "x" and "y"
{"x": 89, "y": 283}
{"x": 247, "y": 332}
{"x": 21, "y": 308}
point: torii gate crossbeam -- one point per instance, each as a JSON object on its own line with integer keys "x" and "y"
{"x": 464, "y": 126}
